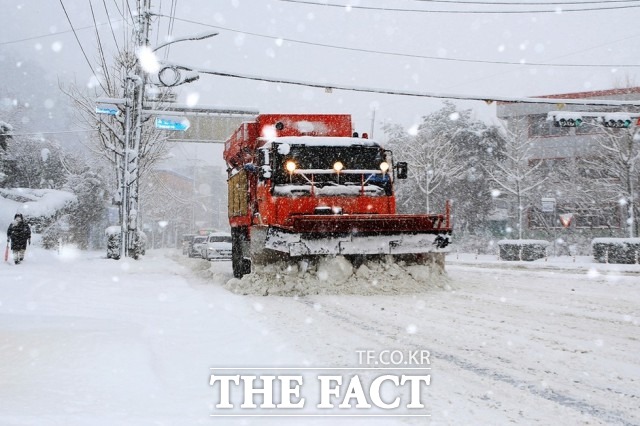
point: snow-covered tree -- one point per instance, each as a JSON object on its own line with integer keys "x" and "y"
{"x": 447, "y": 154}
{"x": 87, "y": 182}
{"x": 5, "y": 134}
{"x": 617, "y": 172}
{"x": 82, "y": 222}
{"x": 430, "y": 161}
{"x": 5, "y": 137}
{"x": 111, "y": 136}
{"x": 40, "y": 163}
{"x": 432, "y": 158}
{"x": 517, "y": 174}
{"x": 33, "y": 163}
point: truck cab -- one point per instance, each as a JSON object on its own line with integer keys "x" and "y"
{"x": 325, "y": 176}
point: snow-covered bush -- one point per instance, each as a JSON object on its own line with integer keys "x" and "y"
{"x": 113, "y": 241}
{"x": 522, "y": 249}
{"x": 51, "y": 235}
{"x": 616, "y": 250}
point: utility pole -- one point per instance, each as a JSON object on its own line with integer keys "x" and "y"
{"x": 124, "y": 192}
{"x": 134, "y": 94}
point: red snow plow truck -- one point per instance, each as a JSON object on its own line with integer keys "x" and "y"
{"x": 304, "y": 186}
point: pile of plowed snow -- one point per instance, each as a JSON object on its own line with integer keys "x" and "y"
{"x": 336, "y": 275}
{"x": 200, "y": 267}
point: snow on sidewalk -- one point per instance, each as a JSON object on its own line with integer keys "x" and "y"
{"x": 568, "y": 263}
{"x": 86, "y": 340}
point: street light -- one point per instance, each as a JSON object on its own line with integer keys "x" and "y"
{"x": 168, "y": 75}
{"x": 201, "y": 36}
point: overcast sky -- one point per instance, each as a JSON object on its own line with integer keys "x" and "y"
{"x": 441, "y": 51}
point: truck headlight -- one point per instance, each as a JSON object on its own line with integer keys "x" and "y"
{"x": 337, "y": 166}
{"x": 290, "y": 166}
{"x": 384, "y": 166}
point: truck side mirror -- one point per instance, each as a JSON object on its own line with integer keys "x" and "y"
{"x": 264, "y": 172}
{"x": 402, "y": 170}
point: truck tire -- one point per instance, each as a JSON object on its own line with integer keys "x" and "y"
{"x": 241, "y": 266}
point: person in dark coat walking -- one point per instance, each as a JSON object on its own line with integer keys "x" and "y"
{"x": 19, "y": 233}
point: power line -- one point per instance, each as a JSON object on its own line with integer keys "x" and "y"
{"x": 57, "y": 33}
{"x": 172, "y": 15}
{"x": 106, "y": 10}
{"x": 121, "y": 13}
{"x": 532, "y": 3}
{"x": 52, "y": 132}
{"x": 100, "y": 49}
{"x": 80, "y": 45}
{"x": 391, "y": 9}
{"x": 158, "y": 32}
{"x": 133, "y": 20}
{"x": 126, "y": 8}
{"x": 125, "y": 34}
{"x": 487, "y": 99}
{"x": 408, "y": 55}
{"x": 118, "y": 8}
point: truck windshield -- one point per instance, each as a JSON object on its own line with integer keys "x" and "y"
{"x": 304, "y": 166}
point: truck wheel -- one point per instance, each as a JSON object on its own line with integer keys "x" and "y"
{"x": 236, "y": 262}
{"x": 240, "y": 265}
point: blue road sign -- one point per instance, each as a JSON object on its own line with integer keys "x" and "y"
{"x": 172, "y": 123}
{"x": 109, "y": 110}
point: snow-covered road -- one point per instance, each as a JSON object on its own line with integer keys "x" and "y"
{"x": 85, "y": 340}
{"x": 506, "y": 346}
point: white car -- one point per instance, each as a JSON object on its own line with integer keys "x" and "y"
{"x": 197, "y": 246}
{"x": 217, "y": 247}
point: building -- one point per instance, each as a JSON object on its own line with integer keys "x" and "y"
{"x": 560, "y": 147}
{"x": 564, "y": 142}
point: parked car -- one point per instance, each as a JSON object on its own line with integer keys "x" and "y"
{"x": 197, "y": 245}
{"x": 217, "y": 247}
{"x": 187, "y": 239}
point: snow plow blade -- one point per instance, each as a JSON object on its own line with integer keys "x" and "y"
{"x": 312, "y": 235}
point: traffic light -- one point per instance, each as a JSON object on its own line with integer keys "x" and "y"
{"x": 565, "y": 119}
{"x": 617, "y": 123}
{"x": 568, "y": 122}
{"x": 613, "y": 120}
